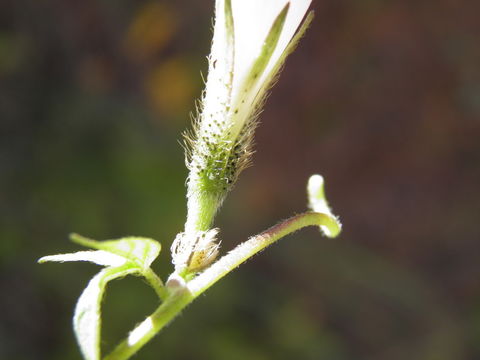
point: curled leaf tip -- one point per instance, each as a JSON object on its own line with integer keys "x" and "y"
{"x": 317, "y": 202}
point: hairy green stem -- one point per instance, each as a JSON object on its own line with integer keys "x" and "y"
{"x": 184, "y": 294}
{"x": 202, "y": 207}
{"x": 156, "y": 283}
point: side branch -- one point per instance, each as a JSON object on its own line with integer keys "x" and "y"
{"x": 254, "y": 245}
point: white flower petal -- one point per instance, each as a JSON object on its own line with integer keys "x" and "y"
{"x": 252, "y": 22}
{"x": 239, "y": 37}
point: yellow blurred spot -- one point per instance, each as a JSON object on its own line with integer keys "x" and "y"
{"x": 150, "y": 31}
{"x": 170, "y": 88}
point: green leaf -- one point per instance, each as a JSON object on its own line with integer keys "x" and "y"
{"x": 141, "y": 251}
{"x": 317, "y": 201}
{"x": 87, "y": 319}
{"x": 131, "y": 255}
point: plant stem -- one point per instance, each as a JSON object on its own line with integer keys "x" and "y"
{"x": 150, "y": 326}
{"x": 201, "y": 207}
{"x": 156, "y": 283}
{"x": 177, "y": 300}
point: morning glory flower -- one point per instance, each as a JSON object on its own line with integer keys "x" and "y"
{"x": 251, "y": 41}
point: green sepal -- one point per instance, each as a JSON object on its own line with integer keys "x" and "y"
{"x": 268, "y": 48}
{"x": 275, "y": 70}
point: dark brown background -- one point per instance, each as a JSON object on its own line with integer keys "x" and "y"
{"x": 381, "y": 97}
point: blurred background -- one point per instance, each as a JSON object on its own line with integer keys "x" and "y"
{"x": 381, "y": 97}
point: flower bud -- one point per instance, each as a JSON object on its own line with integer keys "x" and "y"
{"x": 251, "y": 41}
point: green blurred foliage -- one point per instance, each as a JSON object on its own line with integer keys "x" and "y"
{"x": 382, "y": 98}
